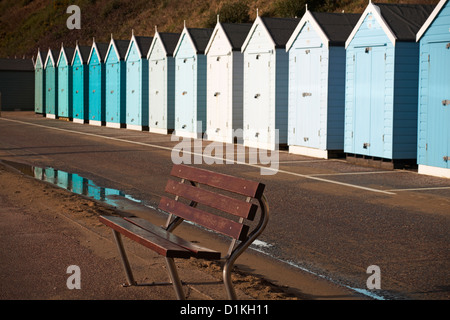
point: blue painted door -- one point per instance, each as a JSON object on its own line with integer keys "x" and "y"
{"x": 157, "y": 94}
{"x": 133, "y": 101}
{"x": 95, "y": 92}
{"x": 370, "y": 68}
{"x": 78, "y": 92}
{"x": 39, "y": 80}
{"x": 63, "y": 89}
{"x": 186, "y": 115}
{"x": 438, "y": 140}
{"x": 51, "y": 90}
{"x": 308, "y": 98}
{"x": 113, "y": 93}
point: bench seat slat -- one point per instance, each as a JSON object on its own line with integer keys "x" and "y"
{"x": 214, "y": 200}
{"x": 200, "y": 252}
{"x": 208, "y": 220}
{"x": 218, "y": 180}
{"x": 146, "y": 238}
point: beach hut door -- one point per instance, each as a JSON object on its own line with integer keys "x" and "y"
{"x": 220, "y": 123}
{"x": 438, "y": 136}
{"x": 308, "y": 98}
{"x": 370, "y": 66}
{"x": 158, "y": 112}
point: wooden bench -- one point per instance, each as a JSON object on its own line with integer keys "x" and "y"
{"x": 221, "y": 203}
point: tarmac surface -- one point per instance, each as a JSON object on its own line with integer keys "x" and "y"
{"x": 327, "y": 216}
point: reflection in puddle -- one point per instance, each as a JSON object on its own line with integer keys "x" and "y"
{"x": 76, "y": 184}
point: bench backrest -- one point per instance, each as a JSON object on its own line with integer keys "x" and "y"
{"x": 223, "y": 200}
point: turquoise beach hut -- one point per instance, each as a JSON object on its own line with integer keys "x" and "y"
{"x": 97, "y": 83}
{"x": 317, "y": 83}
{"x": 51, "y": 84}
{"x": 137, "y": 83}
{"x": 80, "y": 84}
{"x": 382, "y": 75}
{"x": 434, "y": 93}
{"x": 161, "y": 66}
{"x": 65, "y": 93}
{"x": 39, "y": 84}
{"x": 190, "y": 82}
{"x": 115, "y": 87}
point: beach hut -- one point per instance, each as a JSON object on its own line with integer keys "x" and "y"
{"x": 317, "y": 83}
{"x": 225, "y": 77}
{"x": 161, "y": 98}
{"x": 80, "y": 84}
{"x": 65, "y": 93}
{"x": 115, "y": 86}
{"x": 190, "y": 82}
{"x": 434, "y": 93}
{"x": 51, "y": 84}
{"x": 382, "y": 73}
{"x": 266, "y": 82}
{"x": 137, "y": 83}
{"x": 97, "y": 83}
{"x": 39, "y": 84}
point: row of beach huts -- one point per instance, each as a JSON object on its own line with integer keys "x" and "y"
{"x": 375, "y": 85}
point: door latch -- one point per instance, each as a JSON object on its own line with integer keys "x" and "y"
{"x": 307, "y": 94}
{"x": 366, "y": 145}
{"x": 446, "y": 158}
{"x": 445, "y": 102}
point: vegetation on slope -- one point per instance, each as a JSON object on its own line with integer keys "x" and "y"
{"x": 26, "y": 25}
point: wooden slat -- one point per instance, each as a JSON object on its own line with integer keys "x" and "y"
{"x": 218, "y": 180}
{"x": 200, "y": 252}
{"x": 214, "y": 200}
{"x": 146, "y": 238}
{"x": 205, "y": 219}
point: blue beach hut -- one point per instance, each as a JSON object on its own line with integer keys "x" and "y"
{"x": 434, "y": 93}
{"x": 317, "y": 83}
{"x": 96, "y": 63}
{"x": 39, "y": 84}
{"x": 65, "y": 93}
{"x": 51, "y": 85}
{"x": 115, "y": 87}
{"x": 137, "y": 83}
{"x": 161, "y": 64}
{"x": 190, "y": 83}
{"x": 80, "y": 84}
{"x": 266, "y": 82}
{"x": 382, "y": 73}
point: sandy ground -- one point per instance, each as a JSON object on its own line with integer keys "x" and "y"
{"x": 49, "y": 222}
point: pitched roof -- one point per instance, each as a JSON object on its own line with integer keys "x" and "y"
{"x": 84, "y": 51}
{"x": 280, "y": 29}
{"x": 431, "y": 18}
{"x": 200, "y": 37}
{"x": 16, "y": 64}
{"x": 102, "y": 50}
{"x": 144, "y": 44}
{"x": 237, "y": 33}
{"x": 69, "y": 54}
{"x": 405, "y": 20}
{"x": 122, "y": 47}
{"x": 170, "y": 41}
{"x": 336, "y": 26}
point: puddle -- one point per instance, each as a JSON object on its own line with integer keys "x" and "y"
{"x": 77, "y": 184}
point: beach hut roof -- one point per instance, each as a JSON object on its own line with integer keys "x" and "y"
{"x": 279, "y": 29}
{"x": 101, "y": 49}
{"x": 119, "y": 46}
{"x": 333, "y": 28}
{"x": 401, "y": 22}
{"x": 168, "y": 40}
{"x": 199, "y": 38}
{"x": 236, "y": 34}
{"x": 66, "y": 53}
{"x": 430, "y": 19}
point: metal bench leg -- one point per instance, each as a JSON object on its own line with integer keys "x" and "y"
{"x": 227, "y": 281}
{"x": 175, "y": 279}
{"x": 123, "y": 256}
